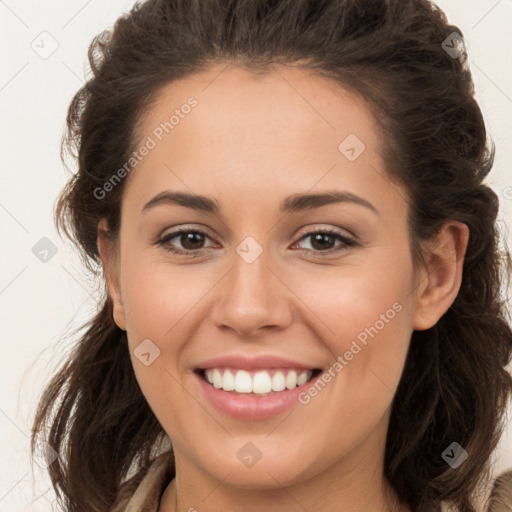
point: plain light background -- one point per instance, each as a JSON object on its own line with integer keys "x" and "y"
{"x": 41, "y": 301}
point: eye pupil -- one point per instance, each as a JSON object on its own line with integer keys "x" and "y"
{"x": 322, "y": 238}
{"x": 192, "y": 237}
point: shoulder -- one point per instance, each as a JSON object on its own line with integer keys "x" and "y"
{"x": 500, "y": 499}
{"x": 145, "y": 496}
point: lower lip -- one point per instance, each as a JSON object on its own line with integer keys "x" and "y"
{"x": 252, "y": 407}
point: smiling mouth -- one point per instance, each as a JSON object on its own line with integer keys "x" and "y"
{"x": 257, "y": 382}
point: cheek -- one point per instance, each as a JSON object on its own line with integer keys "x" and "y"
{"x": 157, "y": 300}
{"x": 372, "y": 333}
{"x": 157, "y": 297}
{"x": 368, "y": 311}
{"x": 368, "y": 299}
{"x": 159, "y": 304}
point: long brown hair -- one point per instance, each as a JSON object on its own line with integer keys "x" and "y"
{"x": 391, "y": 52}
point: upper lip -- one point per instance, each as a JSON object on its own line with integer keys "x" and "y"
{"x": 252, "y": 363}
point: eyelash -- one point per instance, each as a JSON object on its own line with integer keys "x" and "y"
{"x": 346, "y": 242}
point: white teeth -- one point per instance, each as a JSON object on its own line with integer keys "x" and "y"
{"x": 302, "y": 379}
{"x": 217, "y": 379}
{"x": 228, "y": 382}
{"x": 278, "y": 382}
{"x": 259, "y": 383}
{"x": 291, "y": 379}
{"x": 243, "y": 382}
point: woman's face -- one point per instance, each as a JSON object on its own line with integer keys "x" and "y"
{"x": 259, "y": 293}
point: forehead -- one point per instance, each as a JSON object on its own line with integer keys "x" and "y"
{"x": 284, "y": 130}
{"x": 245, "y": 112}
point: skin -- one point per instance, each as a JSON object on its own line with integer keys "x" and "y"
{"x": 252, "y": 141}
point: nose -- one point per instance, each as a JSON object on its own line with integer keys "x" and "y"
{"x": 253, "y": 299}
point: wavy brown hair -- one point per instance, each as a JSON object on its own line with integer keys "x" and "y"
{"x": 455, "y": 385}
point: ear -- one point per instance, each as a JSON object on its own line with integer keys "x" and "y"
{"x": 109, "y": 261}
{"x": 441, "y": 277}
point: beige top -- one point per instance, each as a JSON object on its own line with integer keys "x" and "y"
{"x": 148, "y": 494}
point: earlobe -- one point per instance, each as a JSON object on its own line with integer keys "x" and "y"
{"x": 442, "y": 276}
{"x": 110, "y": 271}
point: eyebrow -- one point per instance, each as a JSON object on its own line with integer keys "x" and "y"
{"x": 291, "y": 204}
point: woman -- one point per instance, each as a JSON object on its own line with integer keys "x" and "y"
{"x": 336, "y": 340}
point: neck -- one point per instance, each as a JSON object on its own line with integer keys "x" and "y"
{"x": 329, "y": 492}
{"x": 172, "y": 503}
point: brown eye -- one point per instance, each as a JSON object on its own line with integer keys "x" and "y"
{"x": 191, "y": 240}
{"x": 323, "y": 240}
